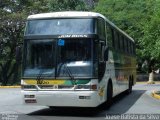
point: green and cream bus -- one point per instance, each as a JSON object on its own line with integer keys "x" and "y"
{"x": 75, "y": 59}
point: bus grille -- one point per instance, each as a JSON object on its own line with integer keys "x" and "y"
{"x": 55, "y": 87}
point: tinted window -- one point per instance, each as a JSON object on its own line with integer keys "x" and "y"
{"x": 59, "y": 26}
{"x": 75, "y": 58}
{"x": 39, "y": 58}
{"x": 116, "y": 40}
{"x": 121, "y": 43}
{"x": 109, "y": 35}
{"x": 101, "y": 28}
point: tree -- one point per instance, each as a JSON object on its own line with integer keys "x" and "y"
{"x": 67, "y": 5}
{"x": 13, "y": 14}
{"x": 151, "y": 39}
{"x": 140, "y": 19}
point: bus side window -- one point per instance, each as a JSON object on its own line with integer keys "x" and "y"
{"x": 113, "y": 40}
{"x": 101, "y": 29}
{"x": 116, "y": 39}
{"x": 130, "y": 47}
{"x": 109, "y": 36}
{"x": 121, "y": 43}
{"x": 132, "y": 51}
{"x": 125, "y": 45}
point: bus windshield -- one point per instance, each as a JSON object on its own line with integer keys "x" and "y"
{"x": 58, "y": 58}
{"x": 59, "y": 26}
{"x": 39, "y": 58}
{"x": 75, "y": 57}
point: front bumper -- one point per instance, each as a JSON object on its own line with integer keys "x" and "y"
{"x": 63, "y": 98}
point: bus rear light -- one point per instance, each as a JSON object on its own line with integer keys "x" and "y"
{"x": 30, "y": 101}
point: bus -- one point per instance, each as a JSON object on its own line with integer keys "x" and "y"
{"x": 75, "y": 59}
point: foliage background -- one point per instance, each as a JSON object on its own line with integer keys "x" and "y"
{"x": 139, "y": 18}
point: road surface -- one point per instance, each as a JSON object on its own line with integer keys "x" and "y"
{"x": 138, "y": 102}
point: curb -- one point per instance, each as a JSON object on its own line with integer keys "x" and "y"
{"x": 10, "y": 86}
{"x": 145, "y": 82}
{"x": 155, "y": 94}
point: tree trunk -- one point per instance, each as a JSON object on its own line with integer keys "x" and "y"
{"x": 151, "y": 72}
{"x": 151, "y": 78}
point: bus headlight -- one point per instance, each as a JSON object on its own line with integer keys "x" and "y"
{"x": 28, "y": 87}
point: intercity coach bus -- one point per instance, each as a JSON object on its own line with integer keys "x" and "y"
{"x": 75, "y": 59}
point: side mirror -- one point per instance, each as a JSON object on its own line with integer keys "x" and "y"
{"x": 101, "y": 70}
{"x": 106, "y": 53}
{"x": 19, "y": 53}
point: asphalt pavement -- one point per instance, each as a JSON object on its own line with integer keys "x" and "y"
{"x": 139, "y": 101}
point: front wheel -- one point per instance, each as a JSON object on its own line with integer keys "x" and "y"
{"x": 129, "y": 90}
{"x": 109, "y": 92}
{"x": 51, "y": 107}
{"x": 109, "y": 95}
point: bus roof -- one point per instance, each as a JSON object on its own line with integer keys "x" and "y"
{"x": 65, "y": 14}
{"x": 74, "y": 14}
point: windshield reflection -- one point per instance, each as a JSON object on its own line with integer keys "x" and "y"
{"x": 58, "y": 58}
{"x": 59, "y": 26}
{"x": 39, "y": 58}
{"x": 75, "y": 69}
{"x": 75, "y": 55}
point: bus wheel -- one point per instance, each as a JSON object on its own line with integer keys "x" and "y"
{"x": 129, "y": 86}
{"x": 109, "y": 95}
{"x": 51, "y": 107}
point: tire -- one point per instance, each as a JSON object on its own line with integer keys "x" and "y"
{"x": 129, "y": 90}
{"x": 107, "y": 104}
{"x": 109, "y": 95}
{"x": 51, "y": 107}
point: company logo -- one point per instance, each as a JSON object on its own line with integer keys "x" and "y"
{"x": 72, "y": 36}
{"x": 42, "y": 82}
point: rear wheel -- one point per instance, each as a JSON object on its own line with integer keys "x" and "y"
{"x": 129, "y": 86}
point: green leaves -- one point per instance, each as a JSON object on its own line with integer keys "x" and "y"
{"x": 140, "y": 19}
{"x": 13, "y": 14}
{"x": 66, "y": 5}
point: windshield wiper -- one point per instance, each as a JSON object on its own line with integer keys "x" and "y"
{"x": 68, "y": 71}
{"x": 40, "y": 75}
